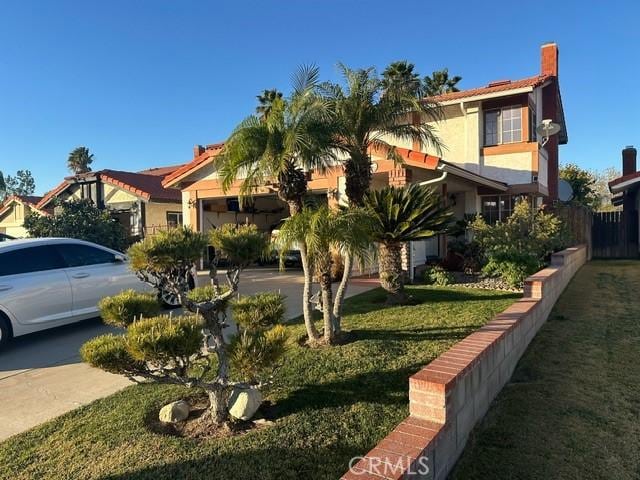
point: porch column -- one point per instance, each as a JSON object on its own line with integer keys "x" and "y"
{"x": 442, "y": 239}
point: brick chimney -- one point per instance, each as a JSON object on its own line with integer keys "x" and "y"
{"x": 549, "y": 59}
{"x": 629, "y": 154}
{"x": 197, "y": 151}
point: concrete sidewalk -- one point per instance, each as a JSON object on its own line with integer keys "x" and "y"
{"x": 42, "y": 377}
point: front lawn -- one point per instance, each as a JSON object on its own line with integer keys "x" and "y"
{"x": 331, "y": 404}
{"x": 571, "y": 408}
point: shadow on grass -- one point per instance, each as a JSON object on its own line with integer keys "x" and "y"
{"x": 275, "y": 462}
{"x": 383, "y": 387}
{"x": 418, "y": 334}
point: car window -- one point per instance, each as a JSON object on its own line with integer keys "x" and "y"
{"x": 77, "y": 255}
{"x": 30, "y": 259}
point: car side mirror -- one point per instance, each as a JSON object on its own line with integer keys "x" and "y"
{"x": 117, "y": 258}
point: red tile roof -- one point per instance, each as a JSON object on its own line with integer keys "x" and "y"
{"x": 209, "y": 153}
{"x": 148, "y": 187}
{"x": 52, "y": 193}
{"x": 161, "y": 171}
{"x": 493, "y": 87}
{"x": 30, "y": 200}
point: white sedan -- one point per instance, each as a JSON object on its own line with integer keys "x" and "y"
{"x": 48, "y": 282}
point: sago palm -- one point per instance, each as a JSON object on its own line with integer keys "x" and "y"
{"x": 324, "y": 230}
{"x": 368, "y": 111}
{"x": 401, "y": 215}
{"x": 79, "y": 160}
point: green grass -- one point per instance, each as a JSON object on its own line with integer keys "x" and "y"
{"x": 331, "y": 404}
{"x": 571, "y": 409}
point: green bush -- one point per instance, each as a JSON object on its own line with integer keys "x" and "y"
{"x": 521, "y": 245}
{"x": 254, "y": 353}
{"x": 240, "y": 245}
{"x": 122, "y": 309}
{"x": 109, "y": 353}
{"x": 437, "y": 275}
{"x": 162, "y": 338}
{"x": 258, "y": 311}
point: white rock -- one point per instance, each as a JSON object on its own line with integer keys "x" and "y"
{"x": 244, "y": 402}
{"x": 174, "y": 412}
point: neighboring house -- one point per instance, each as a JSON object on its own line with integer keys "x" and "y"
{"x": 493, "y": 156}
{"x": 14, "y": 210}
{"x": 138, "y": 199}
{"x": 626, "y": 193}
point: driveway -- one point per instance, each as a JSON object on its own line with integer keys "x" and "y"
{"x": 41, "y": 375}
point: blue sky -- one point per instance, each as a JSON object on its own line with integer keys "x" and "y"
{"x": 141, "y": 82}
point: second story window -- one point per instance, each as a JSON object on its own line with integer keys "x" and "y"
{"x": 503, "y": 125}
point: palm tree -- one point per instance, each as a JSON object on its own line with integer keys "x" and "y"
{"x": 401, "y": 215}
{"x": 400, "y": 76}
{"x": 439, "y": 83}
{"x": 266, "y": 101}
{"x": 79, "y": 160}
{"x": 365, "y": 118}
{"x": 324, "y": 230}
{"x": 275, "y": 148}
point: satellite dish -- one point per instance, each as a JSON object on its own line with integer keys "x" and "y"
{"x": 565, "y": 191}
{"x": 546, "y": 129}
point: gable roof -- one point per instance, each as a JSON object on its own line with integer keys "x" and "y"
{"x": 161, "y": 171}
{"x": 493, "y": 87}
{"x": 147, "y": 186}
{"x": 207, "y": 156}
{"x": 30, "y": 200}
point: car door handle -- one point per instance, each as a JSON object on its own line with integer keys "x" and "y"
{"x": 80, "y": 275}
{"x": 4, "y": 288}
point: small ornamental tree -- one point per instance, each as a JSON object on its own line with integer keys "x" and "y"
{"x": 179, "y": 349}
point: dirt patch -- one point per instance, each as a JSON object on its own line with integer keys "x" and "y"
{"x": 200, "y": 425}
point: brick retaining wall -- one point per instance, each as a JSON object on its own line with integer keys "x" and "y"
{"x": 452, "y": 393}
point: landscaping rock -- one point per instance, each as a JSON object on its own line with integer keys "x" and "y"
{"x": 244, "y": 402}
{"x": 174, "y": 412}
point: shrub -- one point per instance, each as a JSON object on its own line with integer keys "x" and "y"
{"x": 79, "y": 219}
{"x": 254, "y": 353}
{"x": 162, "y": 338}
{"x": 239, "y": 245}
{"x": 122, "y": 309}
{"x": 468, "y": 254}
{"x": 521, "y": 245}
{"x": 437, "y": 275}
{"x": 109, "y": 352}
{"x": 258, "y": 311}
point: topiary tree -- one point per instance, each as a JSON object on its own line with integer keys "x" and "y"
{"x": 79, "y": 219}
{"x": 121, "y": 310}
{"x": 179, "y": 349}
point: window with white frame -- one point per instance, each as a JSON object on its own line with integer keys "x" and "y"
{"x": 503, "y": 125}
{"x": 174, "y": 219}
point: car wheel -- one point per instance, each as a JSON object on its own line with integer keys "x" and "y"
{"x": 170, "y": 300}
{"x": 5, "y": 330}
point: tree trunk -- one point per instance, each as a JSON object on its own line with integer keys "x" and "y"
{"x": 357, "y": 173}
{"x": 312, "y": 331}
{"x": 218, "y": 404}
{"x": 327, "y": 304}
{"x": 338, "y": 302}
{"x": 391, "y": 274}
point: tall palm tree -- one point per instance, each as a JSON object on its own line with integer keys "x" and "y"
{"x": 324, "y": 230}
{"x": 401, "y": 215}
{"x": 276, "y": 148}
{"x": 400, "y": 75}
{"x": 79, "y": 160}
{"x": 439, "y": 83}
{"x": 266, "y": 101}
{"x": 365, "y": 118}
